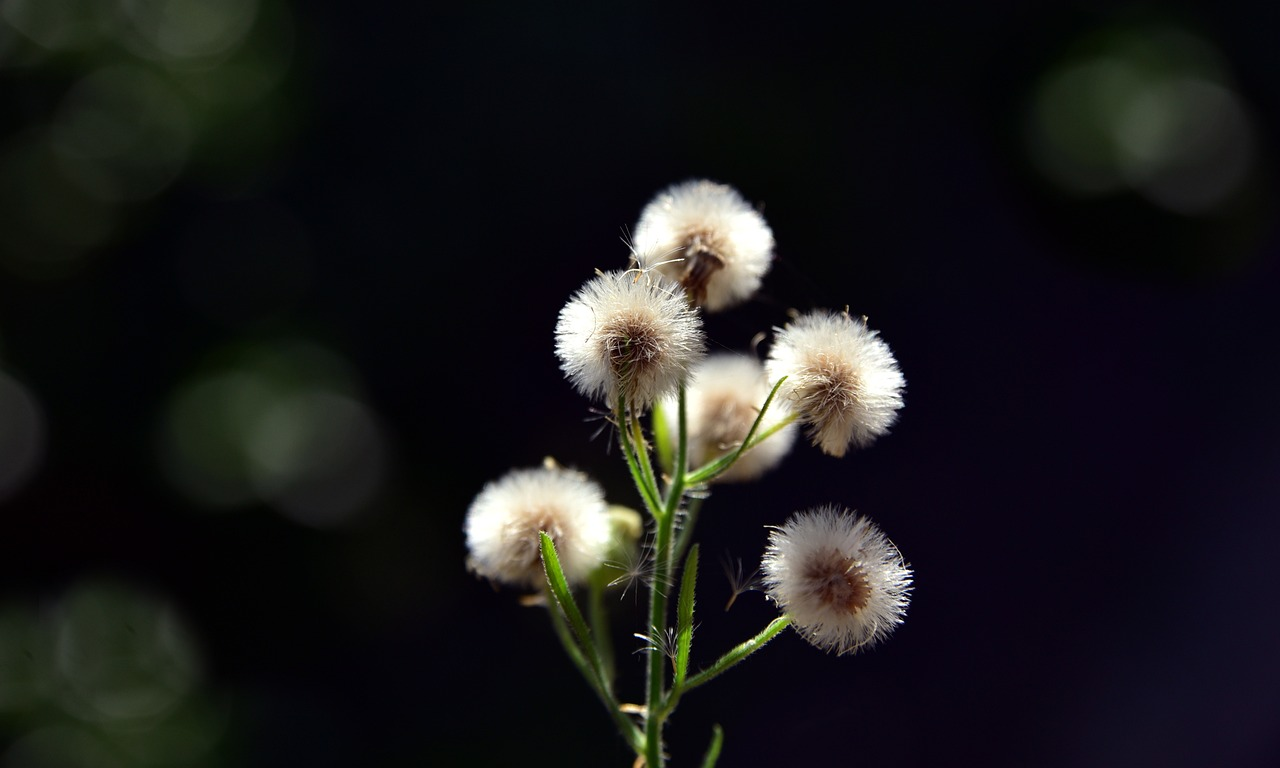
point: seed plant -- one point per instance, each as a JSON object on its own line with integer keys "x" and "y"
{"x": 632, "y": 339}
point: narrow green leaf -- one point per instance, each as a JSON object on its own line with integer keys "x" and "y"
{"x": 586, "y": 655}
{"x": 684, "y": 615}
{"x": 754, "y": 436}
{"x": 570, "y": 644}
{"x": 738, "y": 653}
{"x": 569, "y": 608}
{"x": 713, "y": 749}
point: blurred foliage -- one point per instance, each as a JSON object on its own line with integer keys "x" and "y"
{"x": 105, "y": 674}
{"x": 1145, "y": 154}
{"x": 113, "y": 102}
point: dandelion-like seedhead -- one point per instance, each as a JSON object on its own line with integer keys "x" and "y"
{"x": 842, "y": 379}
{"x": 632, "y": 341}
{"x": 705, "y": 235}
{"x": 725, "y": 393}
{"x": 631, "y": 334}
{"x": 504, "y": 520}
{"x": 842, "y": 582}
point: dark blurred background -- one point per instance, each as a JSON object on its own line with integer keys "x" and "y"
{"x": 277, "y": 290}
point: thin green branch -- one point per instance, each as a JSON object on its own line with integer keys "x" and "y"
{"x": 648, "y": 491}
{"x": 676, "y": 491}
{"x": 654, "y": 716}
{"x": 641, "y": 450}
{"x": 664, "y": 570}
{"x": 688, "y": 522}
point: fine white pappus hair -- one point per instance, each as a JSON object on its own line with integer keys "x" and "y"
{"x": 706, "y": 236}
{"x": 504, "y": 520}
{"x": 628, "y": 333}
{"x": 842, "y": 582}
{"x": 842, "y": 379}
{"x": 723, "y": 399}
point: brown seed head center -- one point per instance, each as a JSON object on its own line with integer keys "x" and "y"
{"x": 839, "y": 582}
{"x": 729, "y": 418}
{"x": 702, "y": 260}
{"x": 630, "y": 340}
{"x": 833, "y": 384}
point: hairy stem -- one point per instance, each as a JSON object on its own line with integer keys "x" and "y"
{"x": 657, "y": 665}
{"x": 644, "y": 482}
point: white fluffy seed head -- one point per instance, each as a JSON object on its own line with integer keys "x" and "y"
{"x": 628, "y": 333}
{"x": 844, "y": 585}
{"x": 504, "y": 520}
{"x": 706, "y": 236}
{"x": 842, "y": 379}
{"x": 723, "y": 399}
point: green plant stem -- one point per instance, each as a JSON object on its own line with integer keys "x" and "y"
{"x": 676, "y": 491}
{"x": 685, "y": 535}
{"x": 644, "y": 484}
{"x": 636, "y": 452}
{"x": 654, "y": 715}
{"x": 664, "y": 572}
{"x": 641, "y": 449}
{"x": 600, "y": 629}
